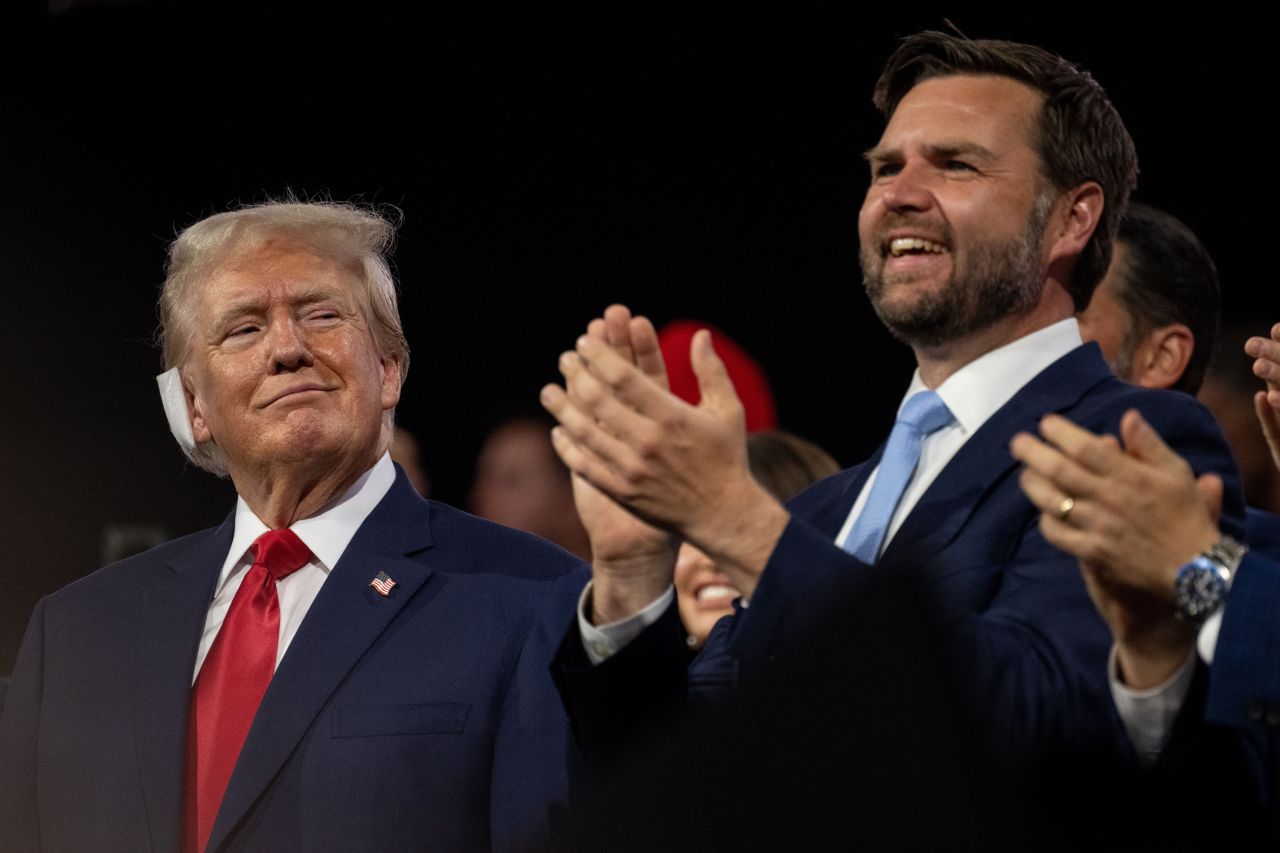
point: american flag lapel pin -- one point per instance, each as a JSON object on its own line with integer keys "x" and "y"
{"x": 383, "y": 584}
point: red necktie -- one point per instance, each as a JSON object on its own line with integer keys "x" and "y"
{"x": 233, "y": 679}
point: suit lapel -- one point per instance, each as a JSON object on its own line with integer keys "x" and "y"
{"x": 984, "y": 460}
{"x": 172, "y": 612}
{"x": 346, "y": 618}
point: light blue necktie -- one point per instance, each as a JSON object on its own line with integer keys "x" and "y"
{"x": 923, "y": 414}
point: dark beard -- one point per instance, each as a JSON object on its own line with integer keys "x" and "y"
{"x": 999, "y": 280}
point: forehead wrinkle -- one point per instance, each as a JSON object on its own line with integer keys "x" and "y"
{"x": 950, "y": 148}
{"x": 943, "y": 148}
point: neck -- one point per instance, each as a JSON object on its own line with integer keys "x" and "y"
{"x": 281, "y": 495}
{"x": 938, "y": 363}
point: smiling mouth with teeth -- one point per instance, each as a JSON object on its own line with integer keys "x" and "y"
{"x": 914, "y": 245}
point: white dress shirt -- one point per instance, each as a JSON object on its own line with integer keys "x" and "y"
{"x": 973, "y": 393}
{"x": 327, "y": 534}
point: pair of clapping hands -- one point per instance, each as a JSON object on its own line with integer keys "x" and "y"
{"x": 1133, "y": 513}
{"x": 651, "y": 470}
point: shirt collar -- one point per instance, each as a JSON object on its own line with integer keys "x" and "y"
{"x": 327, "y": 533}
{"x": 976, "y": 391}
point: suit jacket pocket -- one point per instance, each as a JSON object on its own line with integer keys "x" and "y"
{"x": 420, "y": 719}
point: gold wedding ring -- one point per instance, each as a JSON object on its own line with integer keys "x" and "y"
{"x": 1064, "y": 508}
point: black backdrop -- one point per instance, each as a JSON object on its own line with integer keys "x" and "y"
{"x": 703, "y": 166}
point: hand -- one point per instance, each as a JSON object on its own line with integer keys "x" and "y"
{"x": 632, "y": 561}
{"x": 1267, "y": 403}
{"x": 1137, "y": 515}
{"x": 682, "y": 468}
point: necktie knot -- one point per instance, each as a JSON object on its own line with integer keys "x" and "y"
{"x": 280, "y": 552}
{"x": 926, "y": 412}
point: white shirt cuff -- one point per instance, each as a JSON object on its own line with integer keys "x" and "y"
{"x": 604, "y": 641}
{"x": 1207, "y": 639}
{"x": 1148, "y": 715}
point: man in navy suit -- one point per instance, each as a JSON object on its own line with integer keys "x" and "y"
{"x": 995, "y": 193}
{"x": 1169, "y": 578}
{"x": 340, "y": 665}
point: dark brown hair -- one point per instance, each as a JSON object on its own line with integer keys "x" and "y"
{"x": 1168, "y": 277}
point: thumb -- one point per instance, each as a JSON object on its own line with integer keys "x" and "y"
{"x": 713, "y": 379}
{"x": 1209, "y": 488}
{"x": 1142, "y": 441}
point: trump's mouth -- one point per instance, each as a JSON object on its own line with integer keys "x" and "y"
{"x": 294, "y": 391}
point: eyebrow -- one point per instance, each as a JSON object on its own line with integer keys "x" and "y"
{"x": 306, "y": 295}
{"x": 935, "y": 150}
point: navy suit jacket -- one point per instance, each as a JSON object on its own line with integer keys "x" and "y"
{"x": 1009, "y": 612}
{"x": 422, "y": 720}
{"x": 1244, "y": 680}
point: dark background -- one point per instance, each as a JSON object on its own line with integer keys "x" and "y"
{"x": 689, "y": 165}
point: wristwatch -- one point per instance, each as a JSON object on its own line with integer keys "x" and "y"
{"x": 1201, "y": 585}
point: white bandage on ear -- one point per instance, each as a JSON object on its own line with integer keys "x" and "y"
{"x": 175, "y": 409}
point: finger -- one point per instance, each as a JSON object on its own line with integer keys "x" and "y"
{"x": 714, "y": 383}
{"x": 1046, "y": 461}
{"x": 1042, "y": 492}
{"x": 617, "y": 321}
{"x": 1262, "y": 346}
{"x": 644, "y": 340}
{"x": 1045, "y": 496}
{"x": 1209, "y": 488}
{"x": 585, "y": 464}
{"x": 1143, "y": 442}
{"x": 1085, "y": 448}
{"x": 1269, "y": 419}
{"x": 601, "y": 404}
{"x": 588, "y": 434}
{"x": 1267, "y": 353}
{"x": 625, "y": 380}
{"x": 1079, "y": 543}
{"x": 596, "y": 329}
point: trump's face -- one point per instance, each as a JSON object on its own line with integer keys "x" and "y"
{"x": 283, "y": 368}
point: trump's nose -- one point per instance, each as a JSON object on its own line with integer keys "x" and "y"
{"x": 288, "y": 347}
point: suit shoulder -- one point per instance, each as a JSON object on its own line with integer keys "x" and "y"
{"x": 483, "y": 546}
{"x": 124, "y": 576}
{"x": 1113, "y": 397}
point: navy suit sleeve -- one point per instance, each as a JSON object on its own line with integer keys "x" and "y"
{"x": 619, "y": 705}
{"x": 1244, "y": 680}
{"x": 19, "y": 727}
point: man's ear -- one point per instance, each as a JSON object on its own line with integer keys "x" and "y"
{"x": 195, "y": 407}
{"x": 1077, "y": 218}
{"x": 392, "y": 380}
{"x": 1162, "y": 356}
